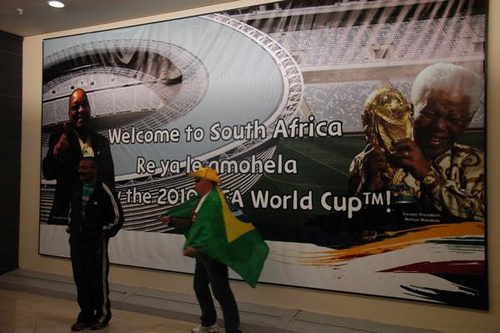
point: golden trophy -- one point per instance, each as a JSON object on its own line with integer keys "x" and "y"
{"x": 387, "y": 118}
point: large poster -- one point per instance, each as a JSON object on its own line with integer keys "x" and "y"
{"x": 351, "y": 133}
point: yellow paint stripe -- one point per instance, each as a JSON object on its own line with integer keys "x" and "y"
{"x": 398, "y": 240}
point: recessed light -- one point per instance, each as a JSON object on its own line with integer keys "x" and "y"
{"x": 56, "y": 4}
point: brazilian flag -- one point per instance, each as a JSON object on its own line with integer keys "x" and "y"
{"x": 222, "y": 232}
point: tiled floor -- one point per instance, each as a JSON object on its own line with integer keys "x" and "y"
{"x": 24, "y": 312}
{"x": 21, "y": 312}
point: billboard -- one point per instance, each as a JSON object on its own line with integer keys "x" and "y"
{"x": 360, "y": 177}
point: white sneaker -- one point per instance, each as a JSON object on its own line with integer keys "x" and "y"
{"x": 205, "y": 329}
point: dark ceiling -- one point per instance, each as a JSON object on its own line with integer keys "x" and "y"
{"x": 33, "y": 17}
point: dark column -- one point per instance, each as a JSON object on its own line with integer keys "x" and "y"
{"x": 10, "y": 148}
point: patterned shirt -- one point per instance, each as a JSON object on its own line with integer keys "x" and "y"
{"x": 454, "y": 186}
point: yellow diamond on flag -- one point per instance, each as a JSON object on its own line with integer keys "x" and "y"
{"x": 234, "y": 227}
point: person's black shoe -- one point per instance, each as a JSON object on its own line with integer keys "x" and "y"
{"x": 79, "y": 326}
{"x": 99, "y": 325}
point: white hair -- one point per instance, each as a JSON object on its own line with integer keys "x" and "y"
{"x": 446, "y": 76}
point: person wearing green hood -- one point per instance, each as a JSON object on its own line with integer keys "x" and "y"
{"x": 217, "y": 238}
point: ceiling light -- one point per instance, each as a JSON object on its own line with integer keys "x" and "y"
{"x": 55, "y": 4}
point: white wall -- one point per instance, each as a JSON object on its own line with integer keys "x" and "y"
{"x": 447, "y": 319}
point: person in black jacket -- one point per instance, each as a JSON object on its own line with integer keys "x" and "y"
{"x": 95, "y": 216}
{"x": 67, "y": 147}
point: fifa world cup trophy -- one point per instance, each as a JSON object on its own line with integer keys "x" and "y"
{"x": 387, "y": 118}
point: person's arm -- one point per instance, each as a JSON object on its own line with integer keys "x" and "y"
{"x": 179, "y": 223}
{"x": 49, "y": 161}
{"x": 63, "y": 155}
{"x": 59, "y": 151}
{"x": 459, "y": 190}
{"x": 366, "y": 173}
{"x": 106, "y": 171}
{"x": 408, "y": 155}
{"x": 453, "y": 184}
{"x": 114, "y": 219}
{"x": 190, "y": 252}
{"x": 179, "y": 217}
